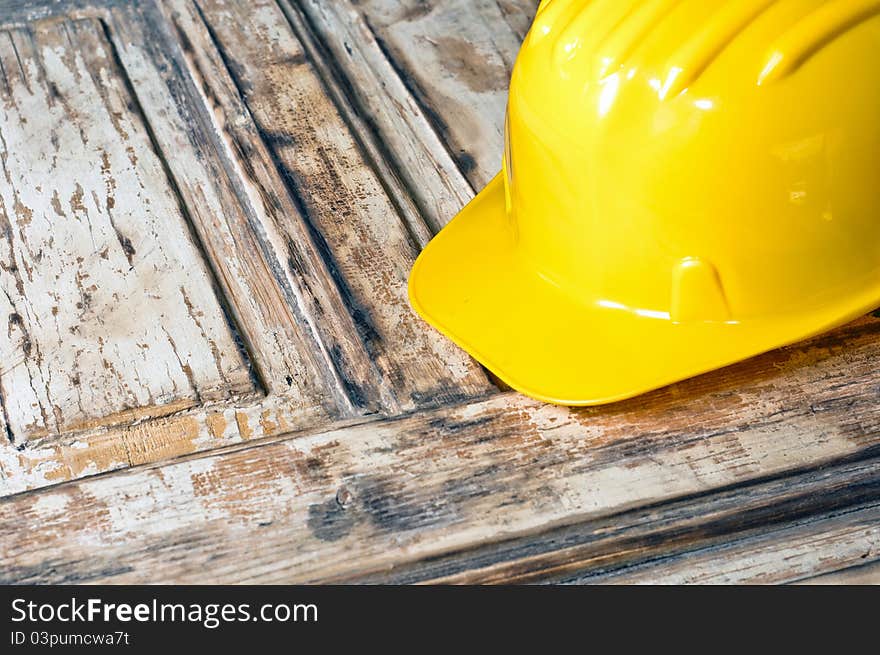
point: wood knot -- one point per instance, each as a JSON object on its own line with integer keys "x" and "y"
{"x": 344, "y": 497}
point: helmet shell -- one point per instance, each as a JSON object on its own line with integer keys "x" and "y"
{"x": 699, "y": 159}
{"x": 686, "y": 184}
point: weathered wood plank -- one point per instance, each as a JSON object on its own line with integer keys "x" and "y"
{"x": 775, "y": 556}
{"x": 760, "y": 472}
{"x": 456, "y": 58}
{"x": 237, "y": 245}
{"x": 373, "y": 148}
{"x": 518, "y": 14}
{"x": 306, "y": 270}
{"x": 295, "y": 322}
{"x": 863, "y": 574}
{"x": 303, "y": 387}
{"x": 92, "y": 452}
{"x": 357, "y": 226}
{"x": 724, "y": 526}
{"x": 365, "y": 501}
{"x": 108, "y": 308}
{"x": 420, "y": 157}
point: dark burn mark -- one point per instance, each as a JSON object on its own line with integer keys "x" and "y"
{"x": 470, "y": 66}
{"x": 297, "y": 261}
{"x": 384, "y": 503}
{"x": 842, "y": 337}
{"x": 364, "y": 325}
{"x": 328, "y": 521}
{"x": 238, "y": 71}
{"x": 185, "y": 44}
{"x": 245, "y": 152}
{"x": 441, "y": 127}
{"x": 371, "y": 339}
{"x": 390, "y": 509}
{"x": 314, "y": 466}
{"x": 477, "y": 484}
{"x": 466, "y": 162}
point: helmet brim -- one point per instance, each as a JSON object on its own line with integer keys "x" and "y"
{"x": 472, "y": 284}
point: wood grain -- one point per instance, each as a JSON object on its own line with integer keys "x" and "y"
{"x": 864, "y": 574}
{"x": 236, "y": 243}
{"x": 421, "y": 158}
{"x": 303, "y": 389}
{"x": 301, "y": 153}
{"x": 774, "y": 556}
{"x": 325, "y": 348}
{"x": 362, "y": 237}
{"x": 108, "y": 307}
{"x": 456, "y": 58}
{"x": 100, "y": 450}
{"x": 298, "y": 262}
{"x": 764, "y": 531}
{"x": 370, "y": 501}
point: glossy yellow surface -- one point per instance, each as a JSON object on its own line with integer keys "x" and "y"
{"x": 686, "y": 183}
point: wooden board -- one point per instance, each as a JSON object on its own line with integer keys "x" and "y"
{"x": 456, "y": 58}
{"x": 865, "y": 574}
{"x": 261, "y": 176}
{"x": 367, "y": 246}
{"x": 496, "y": 491}
{"x": 110, "y": 309}
{"x": 315, "y": 313}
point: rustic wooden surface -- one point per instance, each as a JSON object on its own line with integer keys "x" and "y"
{"x": 110, "y": 309}
{"x": 210, "y": 373}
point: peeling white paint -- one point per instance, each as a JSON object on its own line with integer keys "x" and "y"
{"x": 105, "y": 297}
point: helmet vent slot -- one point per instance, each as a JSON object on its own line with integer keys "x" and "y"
{"x": 632, "y": 31}
{"x": 813, "y": 33}
{"x": 697, "y": 54}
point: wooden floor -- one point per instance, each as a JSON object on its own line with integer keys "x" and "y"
{"x": 209, "y": 371}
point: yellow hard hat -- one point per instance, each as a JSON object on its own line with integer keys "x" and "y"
{"x": 686, "y": 183}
